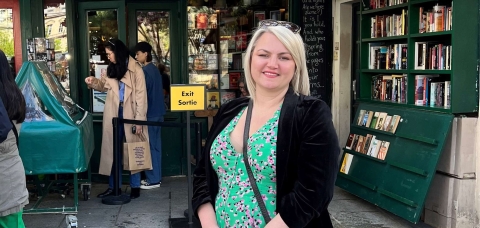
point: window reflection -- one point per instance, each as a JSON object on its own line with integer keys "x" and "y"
{"x": 102, "y": 26}
{"x": 54, "y": 12}
{"x": 6, "y": 36}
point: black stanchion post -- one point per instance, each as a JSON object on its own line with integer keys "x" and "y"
{"x": 115, "y": 156}
{"x": 189, "y": 170}
{"x": 117, "y": 198}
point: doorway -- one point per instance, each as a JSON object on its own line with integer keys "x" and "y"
{"x": 100, "y": 21}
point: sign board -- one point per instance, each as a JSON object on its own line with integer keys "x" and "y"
{"x": 316, "y": 24}
{"x": 187, "y": 97}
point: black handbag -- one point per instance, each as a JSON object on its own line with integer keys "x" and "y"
{"x": 260, "y": 202}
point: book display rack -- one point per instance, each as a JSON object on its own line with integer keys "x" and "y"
{"x": 418, "y": 69}
{"x": 391, "y": 156}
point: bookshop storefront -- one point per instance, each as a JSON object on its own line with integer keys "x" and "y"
{"x": 197, "y": 41}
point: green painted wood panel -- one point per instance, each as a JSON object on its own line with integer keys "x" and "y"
{"x": 399, "y": 183}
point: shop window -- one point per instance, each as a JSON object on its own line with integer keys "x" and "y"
{"x": 6, "y": 32}
{"x": 218, "y": 34}
{"x": 56, "y": 31}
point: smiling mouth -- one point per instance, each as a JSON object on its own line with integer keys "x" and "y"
{"x": 270, "y": 74}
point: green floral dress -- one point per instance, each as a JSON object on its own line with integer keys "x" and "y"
{"x": 236, "y": 205}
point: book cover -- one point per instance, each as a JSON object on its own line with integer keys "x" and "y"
{"x": 213, "y": 100}
{"x": 366, "y": 145}
{"x": 234, "y": 77}
{"x": 225, "y": 81}
{"x": 386, "y": 123}
{"x": 202, "y": 21}
{"x": 373, "y": 146}
{"x": 226, "y": 97}
{"x": 360, "y": 116}
{"x": 374, "y": 120}
{"x": 381, "y": 119}
{"x": 212, "y": 21}
{"x": 350, "y": 141}
{"x": 361, "y": 141}
{"x": 382, "y": 153}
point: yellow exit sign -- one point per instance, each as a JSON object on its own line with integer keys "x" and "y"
{"x": 187, "y": 97}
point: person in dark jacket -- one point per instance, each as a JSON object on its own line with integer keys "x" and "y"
{"x": 13, "y": 190}
{"x": 155, "y": 112}
{"x": 291, "y": 145}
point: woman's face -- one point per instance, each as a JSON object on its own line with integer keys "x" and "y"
{"x": 272, "y": 66}
{"x": 110, "y": 55}
{"x": 243, "y": 90}
{"x": 141, "y": 56}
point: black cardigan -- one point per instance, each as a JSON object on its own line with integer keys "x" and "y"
{"x": 307, "y": 160}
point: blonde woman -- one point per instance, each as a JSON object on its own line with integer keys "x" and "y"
{"x": 287, "y": 177}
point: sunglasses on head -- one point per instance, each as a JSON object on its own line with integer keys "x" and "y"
{"x": 289, "y": 25}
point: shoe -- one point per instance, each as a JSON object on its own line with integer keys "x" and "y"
{"x": 135, "y": 193}
{"x": 108, "y": 192}
{"x": 143, "y": 182}
{"x": 150, "y": 186}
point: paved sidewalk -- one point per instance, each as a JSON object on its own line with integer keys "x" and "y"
{"x": 155, "y": 207}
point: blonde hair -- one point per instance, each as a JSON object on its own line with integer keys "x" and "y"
{"x": 294, "y": 44}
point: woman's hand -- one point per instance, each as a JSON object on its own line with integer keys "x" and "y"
{"x": 89, "y": 80}
{"x": 138, "y": 130}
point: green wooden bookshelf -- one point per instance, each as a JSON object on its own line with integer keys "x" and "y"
{"x": 401, "y": 181}
{"x": 463, "y": 37}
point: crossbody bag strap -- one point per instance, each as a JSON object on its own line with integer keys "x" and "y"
{"x": 15, "y": 132}
{"x": 253, "y": 182}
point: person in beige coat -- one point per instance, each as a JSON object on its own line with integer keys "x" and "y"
{"x": 126, "y": 98}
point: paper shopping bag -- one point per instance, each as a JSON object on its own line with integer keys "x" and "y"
{"x": 137, "y": 156}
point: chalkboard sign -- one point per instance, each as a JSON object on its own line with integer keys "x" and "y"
{"x": 316, "y": 23}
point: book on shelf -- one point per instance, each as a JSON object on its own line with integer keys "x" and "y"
{"x": 378, "y": 120}
{"x": 377, "y": 4}
{"x": 432, "y": 55}
{"x": 387, "y": 57}
{"x": 202, "y": 21}
{"x": 389, "y": 25}
{"x": 432, "y": 90}
{"x": 390, "y": 88}
{"x": 369, "y": 145}
{"x": 225, "y": 81}
{"x": 366, "y": 145}
{"x": 381, "y": 119}
{"x": 373, "y": 149}
{"x": 436, "y": 19}
{"x": 234, "y": 78}
{"x": 346, "y": 163}
{"x": 210, "y": 80}
{"x": 361, "y": 141}
{"x": 350, "y": 141}
{"x": 212, "y": 21}
{"x": 382, "y": 153}
{"x": 226, "y": 96}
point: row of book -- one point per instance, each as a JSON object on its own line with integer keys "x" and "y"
{"x": 378, "y": 120}
{"x": 389, "y": 25}
{"x": 432, "y": 55}
{"x": 368, "y": 145}
{"x": 389, "y": 57}
{"x": 390, "y": 88}
{"x": 432, "y": 90}
{"x": 436, "y": 19}
{"x": 228, "y": 80}
{"x": 376, "y": 4}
